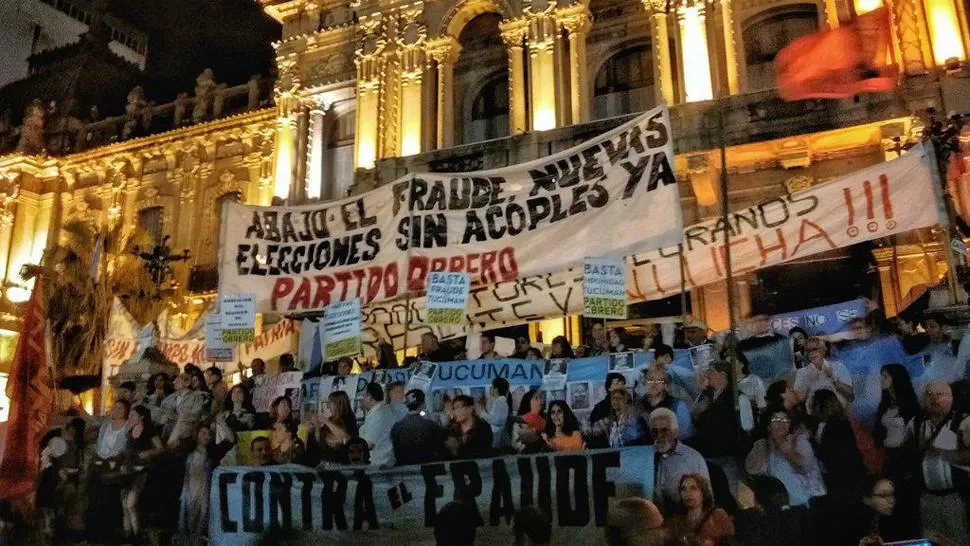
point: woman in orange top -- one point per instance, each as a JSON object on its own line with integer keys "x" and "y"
{"x": 699, "y": 521}
{"x": 562, "y": 431}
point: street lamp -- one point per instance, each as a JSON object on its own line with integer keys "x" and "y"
{"x": 158, "y": 262}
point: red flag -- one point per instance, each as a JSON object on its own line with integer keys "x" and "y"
{"x": 838, "y": 63}
{"x": 30, "y": 397}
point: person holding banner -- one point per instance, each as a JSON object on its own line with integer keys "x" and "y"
{"x": 560, "y": 348}
{"x": 822, "y": 373}
{"x": 486, "y": 342}
{"x": 623, "y": 427}
{"x": 657, "y": 396}
{"x": 416, "y": 439}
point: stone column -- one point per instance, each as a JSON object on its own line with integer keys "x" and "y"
{"x": 577, "y": 27}
{"x": 542, "y": 72}
{"x": 730, "y": 47}
{"x": 24, "y": 225}
{"x": 444, "y": 52}
{"x": 660, "y": 40}
{"x": 694, "y": 55}
{"x": 301, "y": 150}
{"x": 411, "y": 117}
{"x": 513, "y": 33}
{"x": 286, "y": 143}
{"x": 315, "y": 156}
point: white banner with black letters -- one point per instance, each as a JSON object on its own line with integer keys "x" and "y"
{"x": 877, "y": 201}
{"x": 612, "y": 196}
{"x": 397, "y": 506}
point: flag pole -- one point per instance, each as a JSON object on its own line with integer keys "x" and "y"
{"x": 683, "y": 281}
{"x": 732, "y": 340}
{"x": 946, "y": 215}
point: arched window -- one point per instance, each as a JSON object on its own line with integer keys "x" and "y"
{"x": 340, "y": 157}
{"x": 768, "y": 33}
{"x": 624, "y": 84}
{"x": 490, "y": 111}
{"x": 151, "y": 221}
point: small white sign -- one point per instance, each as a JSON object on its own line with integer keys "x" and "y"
{"x": 604, "y": 288}
{"x": 215, "y": 349}
{"x": 447, "y": 299}
{"x": 238, "y": 315}
{"x": 341, "y": 329}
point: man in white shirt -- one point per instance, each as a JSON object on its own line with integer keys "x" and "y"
{"x": 377, "y": 426}
{"x": 822, "y": 373}
{"x": 673, "y": 458}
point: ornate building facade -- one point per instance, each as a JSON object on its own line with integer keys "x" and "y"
{"x": 370, "y": 90}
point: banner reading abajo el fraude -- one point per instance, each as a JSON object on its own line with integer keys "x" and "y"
{"x": 398, "y": 506}
{"x": 611, "y": 196}
{"x": 881, "y": 200}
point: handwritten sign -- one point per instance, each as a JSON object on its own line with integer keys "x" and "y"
{"x": 341, "y": 329}
{"x": 447, "y": 297}
{"x": 604, "y": 288}
{"x": 215, "y": 349}
{"x": 237, "y": 313}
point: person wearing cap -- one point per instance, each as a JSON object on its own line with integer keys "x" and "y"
{"x": 695, "y": 334}
{"x": 634, "y": 521}
{"x": 417, "y": 439}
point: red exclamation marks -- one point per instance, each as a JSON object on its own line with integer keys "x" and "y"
{"x": 887, "y": 201}
{"x": 852, "y": 230}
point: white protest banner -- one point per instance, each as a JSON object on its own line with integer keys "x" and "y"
{"x": 612, "y": 196}
{"x": 447, "y": 297}
{"x": 359, "y": 505}
{"x": 215, "y": 349}
{"x": 604, "y": 288}
{"x": 238, "y": 315}
{"x": 874, "y": 202}
{"x": 341, "y": 329}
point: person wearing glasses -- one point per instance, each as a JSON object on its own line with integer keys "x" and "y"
{"x": 658, "y": 396}
{"x": 786, "y": 454}
{"x": 822, "y": 373}
{"x": 674, "y": 459}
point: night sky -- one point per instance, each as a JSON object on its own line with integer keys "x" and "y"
{"x": 233, "y": 37}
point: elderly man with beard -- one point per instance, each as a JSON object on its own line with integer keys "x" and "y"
{"x": 674, "y": 459}
{"x": 943, "y": 436}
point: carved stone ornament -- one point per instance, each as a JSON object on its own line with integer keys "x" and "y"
{"x": 799, "y": 183}
{"x": 149, "y": 199}
{"x": 82, "y": 211}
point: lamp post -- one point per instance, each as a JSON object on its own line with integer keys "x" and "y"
{"x": 158, "y": 263}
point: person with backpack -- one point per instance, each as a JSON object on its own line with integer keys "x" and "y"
{"x": 943, "y": 436}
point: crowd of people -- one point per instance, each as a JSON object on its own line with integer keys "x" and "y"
{"x": 810, "y": 472}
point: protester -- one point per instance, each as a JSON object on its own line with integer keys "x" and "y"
{"x": 898, "y": 408}
{"x": 417, "y": 440}
{"x": 943, "y": 363}
{"x": 218, "y": 388}
{"x": 786, "y": 454}
{"x": 280, "y": 411}
{"x": 240, "y": 414}
{"x": 599, "y": 342}
{"x": 623, "y": 427}
{"x": 287, "y": 446}
{"x": 345, "y": 366}
{"x": 159, "y": 387}
{"x": 258, "y": 367}
{"x": 602, "y": 409}
{"x": 377, "y": 426}
{"x": 878, "y": 515}
{"x": 751, "y": 385}
{"x": 358, "y": 452}
{"x": 798, "y": 337}
{"x": 695, "y": 334}
{"x": 533, "y": 354}
{"x": 674, "y": 458}
{"x": 715, "y": 422}
{"x": 836, "y": 448}
{"x": 486, "y": 343}
{"x": 943, "y": 437}
{"x": 456, "y": 524}
{"x": 181, "y": 412}
{"x": 497, "y": 412}
{"x": 146, "y": 446}
{"x": 469, "y": 436}
{"x": 771, "y": 521}
{"x": 561, "y": 348}
{"x": 619, "y": 341}
{"x": 635, "y": 522}
{"x": 69, "y": 503}
{"x": 531, "y": 527}
{"x": 522, "y": 345}
{"x": 328, "y": 443}
{"x": 531, "y": 423}
{"x": 698, "y": 521}
{"x": 395, "y": 398}
{"x": 261, "y": 451}
{"x": 762, "y": 334}
{"x": 108, "y": 473}
{"x": 198, "y": 384}
{"x": 822, "y": 373}
{"x": 287, "y": 363}
{"x": 194, "y": 522}
{"x": 432, "y": 350}
{"x": 562, "y": 430}
{"x": 126, "y": 392}
{"x": 657, "y": 396}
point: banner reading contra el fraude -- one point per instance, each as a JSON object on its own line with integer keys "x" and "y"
{"x": 877, "y": 201}
{"x": 611, "y": 196}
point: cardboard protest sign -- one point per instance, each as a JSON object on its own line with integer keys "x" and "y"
{"x": 604, "y": 289}
{"x": 447, "y": 297}
{"x": 215, "y": 349}
{"x": 341, "y": 329}
{"x": 237, "y": 314}
{"x": 614, "y": 195}
{"x": 361, "y": 505}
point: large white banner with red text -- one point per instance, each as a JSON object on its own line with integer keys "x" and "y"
{"x": 881, "y": 200}
{"x": 608, "y": 197}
